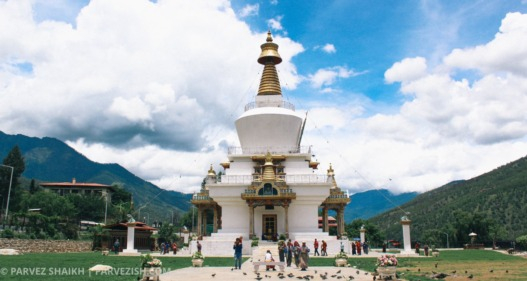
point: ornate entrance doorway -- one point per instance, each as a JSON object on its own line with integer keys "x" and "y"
{"x": 269, "y": 229}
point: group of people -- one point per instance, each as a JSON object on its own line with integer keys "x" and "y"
{"x": 166, "y": 247}
{"x": 357, "y": 247}
{"x": 425, "y": 248}
{"x": 324, "y": 248}
{"x": 292, "y": 251}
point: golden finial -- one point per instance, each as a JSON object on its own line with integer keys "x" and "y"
{"x": 268, "y": 172}
{"x": 269, "y": 37}
{"x": 268, "y": 158}
{"x": 330, "y": 170}
{"x": 211, "y": 171}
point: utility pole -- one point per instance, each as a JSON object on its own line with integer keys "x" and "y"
{"x": 9, "y": 192}
{"x": 447, "y": 243}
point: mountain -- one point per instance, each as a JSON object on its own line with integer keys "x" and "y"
{"x": 51, "y": 160}
{"x": 365, "y": 205}
{"x": 499, "y": 195}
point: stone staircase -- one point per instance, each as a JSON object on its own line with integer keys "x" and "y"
{"x": 259, "y": 252}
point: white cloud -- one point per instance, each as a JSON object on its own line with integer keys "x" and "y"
{"x": 448, "y": 128}
{"x": 507, "y": 52}
{"x": 249, "y": 10}
{"x": 329, "y": 48}
{"x": 328, "y": 76}
{"x": 406, "y": 70}
{"x": 275, "y": 23}
{"x": 152, "y": 76}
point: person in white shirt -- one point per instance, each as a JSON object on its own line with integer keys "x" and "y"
{"x": 269, "y": 258}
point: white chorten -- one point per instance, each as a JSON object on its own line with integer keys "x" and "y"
{"x": 270, "y": 186}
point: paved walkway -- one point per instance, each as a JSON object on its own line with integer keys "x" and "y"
{"x": 247, "y": 273}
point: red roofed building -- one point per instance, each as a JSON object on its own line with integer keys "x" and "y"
{"x": 74, "y": 187}
{"x": 332, "y": 222}
{"x": 143, "y": 235}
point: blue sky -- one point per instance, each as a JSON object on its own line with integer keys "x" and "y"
{"x": 404, "y": 95}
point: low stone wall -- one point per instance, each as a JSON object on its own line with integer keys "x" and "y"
{"x": 45, "y": 246}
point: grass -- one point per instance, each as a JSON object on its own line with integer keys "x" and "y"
{"x": 68, "y": 266}
{"x": 481, "y": 264}
{"x": 477, "y": 263}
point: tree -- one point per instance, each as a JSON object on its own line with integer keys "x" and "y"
{"x": 50, "y": 204}
{"x": 13, "y": 159}
{"x": 89, "y": 207}
{"x": 373, "y": 235}
{"x": 432, "y": 237}
{"x": 522, "y": 241}
{"x": 167, "y": 232}
{"x": 496, "y": 231}
{"x": 33, "y": 188}
{"x": 99, "y": 236}
{"x": 120, "y": 195}
{"x": 186, "y": 219}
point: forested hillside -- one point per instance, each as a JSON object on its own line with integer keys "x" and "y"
{"x": 51, "y": 160}
{"x": 492, "y": 205}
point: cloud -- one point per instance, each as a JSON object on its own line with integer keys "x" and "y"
{"x": 249, "y": 10}
{"x": 506, "y": 53}
{"x": 275, "y": 23}
{"x": 406, "y": 70}
{"x": 328, "y": 76}
{"x": 329, "y": 48}
{"x": 154, "y": 75}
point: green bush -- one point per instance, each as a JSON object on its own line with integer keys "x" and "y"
{"x": 254, "y": 242}
{"x": 8, "y": 233}
{"x": 522, "y": 240}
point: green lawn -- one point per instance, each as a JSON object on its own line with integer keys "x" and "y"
{"x": 68, "y": 266}
{"x": 482, "y": 265}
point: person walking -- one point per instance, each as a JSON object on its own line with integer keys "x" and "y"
{"x": 238, "y": 246}
{"x": 296, "y": 253}
{"x": 289, "y": 253}
{"x": 304, "y": 257}
{"x": 174, "y": 247}
{"x": 281, "y": 251}
{"x": 315, "y": 245}
{"x": 162, "y": 246}
{"x": 199, "y": 246}
{"x": 365, "y": 247}
{"x": 116, "y": 246}
{"x": 353, "y": 249}
{"x": 359, "y": 248}
{"x": 324, "y": 248}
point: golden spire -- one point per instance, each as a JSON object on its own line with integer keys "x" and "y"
{"x": 331, "y": 176}
{"x": 269, "y": 84}
{"x": 330, "y": 170}
{"x": 211, "y": 171}
{"x": 268, "y": 172}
